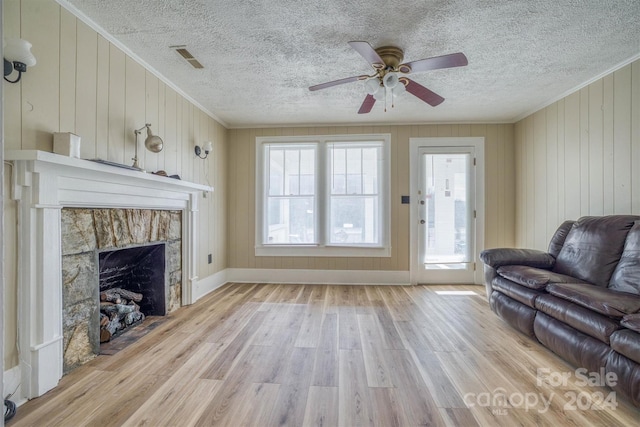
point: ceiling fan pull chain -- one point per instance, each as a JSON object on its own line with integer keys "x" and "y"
{"x": 385, "y": 100}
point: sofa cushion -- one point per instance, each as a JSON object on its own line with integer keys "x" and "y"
{"x": 626, "y": 276}
{"x": 602, "y": 300}
{"x": 628, "y": 343}
{"x": 517, "y": 292}
{"x": 593, "y": 247}
{"x": 581, "y": 318}
{"x": 558, "y": 238}
{"x": 631, "y": 321}
{"x": 574, "y": 346}
{"x": 628, "y": 374}
{"x": 514, "y": 313}
{"x": 534, "y": 278}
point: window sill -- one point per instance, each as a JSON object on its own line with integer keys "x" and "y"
{"x": 323, "y": 251}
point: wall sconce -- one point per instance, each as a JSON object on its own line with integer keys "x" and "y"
{"x": 152, "y": 142}
{"x": 207, "y": 148}
{"x": 17, "y": 56}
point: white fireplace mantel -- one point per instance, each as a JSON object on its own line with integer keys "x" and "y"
{"x": 44, "y": 183}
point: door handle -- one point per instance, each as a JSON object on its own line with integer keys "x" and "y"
{"x": 422, "y": 221}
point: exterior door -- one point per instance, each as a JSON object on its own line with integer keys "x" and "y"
{"x": 444, "y": 220}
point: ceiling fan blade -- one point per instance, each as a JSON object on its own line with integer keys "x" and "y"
{"x": 423, "y": 93}
{"x": 337, "y": 82}
{"x": 368, "y": 53}
{"x": 367, "y": 105}
{"x": 437, "y": 62}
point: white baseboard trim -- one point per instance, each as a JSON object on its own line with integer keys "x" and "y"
{"x": 297, "y": 276}
{"x": 209, "y": 284}
{"x": 326, "y": 277}
{"x": 12, "y": 380}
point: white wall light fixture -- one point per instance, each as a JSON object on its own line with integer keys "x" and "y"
{"x": 17, "y": 56}
{"x": 207, "y": 148}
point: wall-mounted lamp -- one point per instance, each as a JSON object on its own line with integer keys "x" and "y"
{"x": 152, "y": 142}
{"x": 17, "y": 56}
{"x": 207, "y": 148}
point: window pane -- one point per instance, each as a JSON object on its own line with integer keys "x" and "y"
{"x": 370, "y": 170}
{"x": 307, "y": 171}
{"x": 339, "y": 184}
{"x": 290, "y": 220}
{"x": 354, "y": 184}
{"x": 275, "y": 159}
{"x": 292, "y": 172}
{"x": 354, "y": 171}
{"x": 354, "y": 220}
{"x": 338, "y": 170}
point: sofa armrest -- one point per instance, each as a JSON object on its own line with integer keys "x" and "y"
{"x": 498, "y": 257}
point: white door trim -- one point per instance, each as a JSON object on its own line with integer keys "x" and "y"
{"x": 414, "y": 218}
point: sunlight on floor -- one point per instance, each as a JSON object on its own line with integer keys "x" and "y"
{"x": 456, "y": 293}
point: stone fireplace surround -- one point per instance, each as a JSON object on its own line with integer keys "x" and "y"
{"x": 43, "y": 184}
{"x": 84, "y": 233}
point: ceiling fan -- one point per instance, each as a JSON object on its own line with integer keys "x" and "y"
{"x": 390, "y": 71}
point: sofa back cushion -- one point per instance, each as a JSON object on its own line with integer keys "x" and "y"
{"x": 593, "y": 247}
{"x": 626, "y": 276}
{"x": 557, "y": 241}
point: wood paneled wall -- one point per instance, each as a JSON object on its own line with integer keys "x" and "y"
{"x": 499, "y": 193}
{"x": 579, "y": 156}
{"x": 85, "y": 85}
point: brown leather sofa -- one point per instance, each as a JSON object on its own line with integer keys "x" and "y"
{"x": 581, "y": 299}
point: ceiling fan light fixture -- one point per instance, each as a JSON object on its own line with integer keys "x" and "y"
{"x": 379, "y": 95}
{"x": 398, "y": 90}
{"x": 372, "y": 86}
{"x": 391, "y": 80}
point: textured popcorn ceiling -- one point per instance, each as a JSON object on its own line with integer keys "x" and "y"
{"x": 260, "y": 56}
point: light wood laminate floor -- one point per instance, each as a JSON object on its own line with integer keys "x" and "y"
{"x": 266, "y": 355}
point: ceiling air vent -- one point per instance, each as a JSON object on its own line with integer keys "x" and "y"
{"x": 183, "y": 52}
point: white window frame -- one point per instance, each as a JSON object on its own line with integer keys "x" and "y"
{"x": 322, "y": 248}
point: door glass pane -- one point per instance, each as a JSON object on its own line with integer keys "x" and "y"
{"x": 446, "y": 209}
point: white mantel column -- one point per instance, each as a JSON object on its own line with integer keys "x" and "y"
{"x": 40, "y": 284}
{"x": 190, "y": 249}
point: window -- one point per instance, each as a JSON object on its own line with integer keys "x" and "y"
{"x": 322, "y": 196}
{"x": 290, "y": 193}
{"x": 355, "y": 194}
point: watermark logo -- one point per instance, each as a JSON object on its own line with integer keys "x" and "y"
{"x": 582, "y": 375}
{"x": 500, "y": 400}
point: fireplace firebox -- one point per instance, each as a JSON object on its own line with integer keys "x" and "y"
{"x": 139, "y": 269}
{"x": 132, "y": 285}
